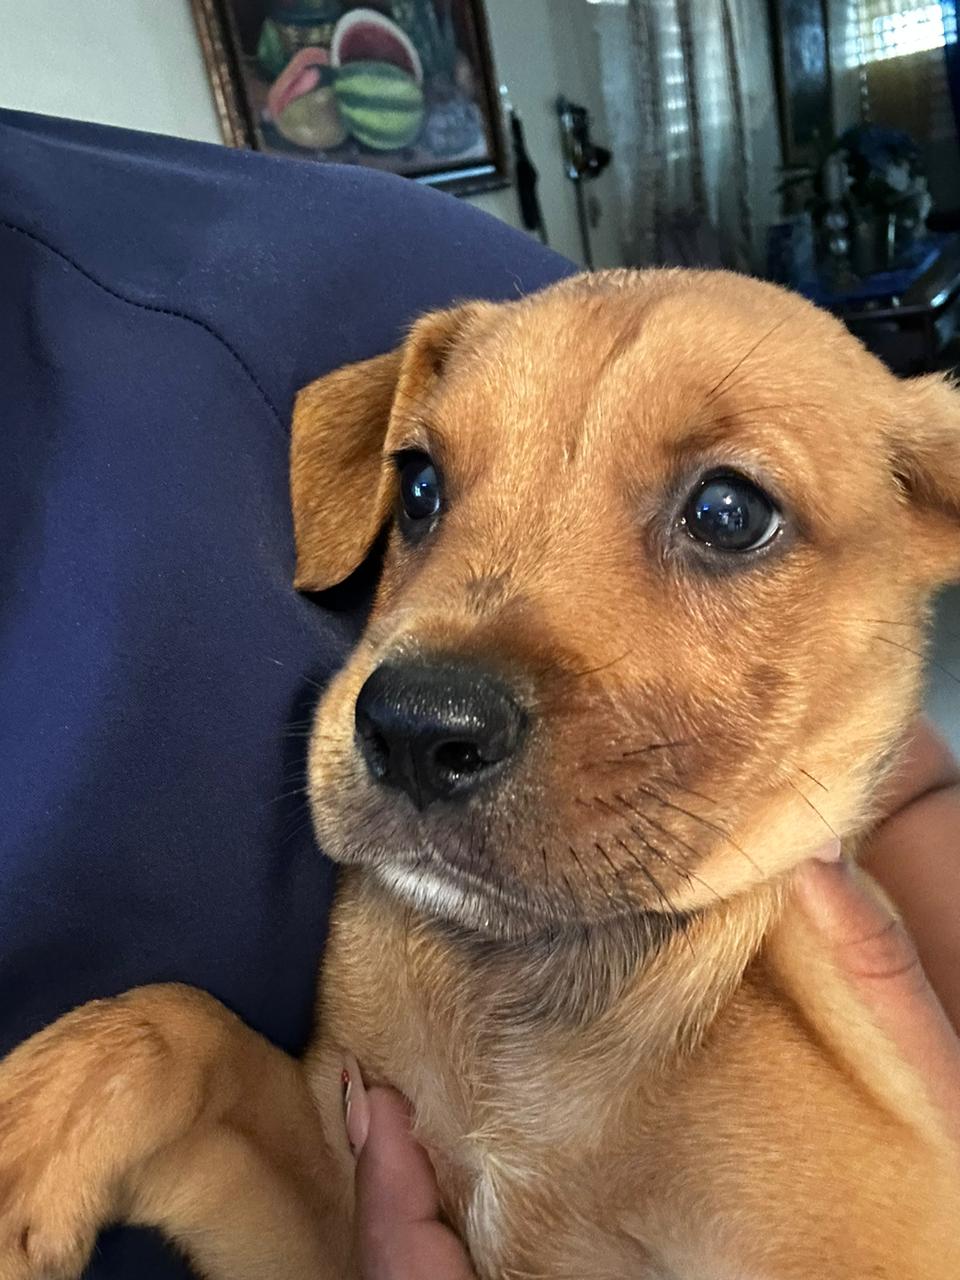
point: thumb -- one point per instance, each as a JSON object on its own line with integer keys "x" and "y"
{"x": 874, "y": 952}
{"x": 400, "y": 1235}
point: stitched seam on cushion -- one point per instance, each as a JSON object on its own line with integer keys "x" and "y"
{"x": 151, "y": 306}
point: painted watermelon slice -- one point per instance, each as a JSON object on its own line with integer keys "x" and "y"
{"x": 301, "y": 75}
{"x": 363, "y": 35}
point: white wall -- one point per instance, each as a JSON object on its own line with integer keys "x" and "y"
{"x": 538, "y": 55}
{"x": 576, "y": 48}
{"x": 543, "y": 48}
{"x": 135, "y": 63}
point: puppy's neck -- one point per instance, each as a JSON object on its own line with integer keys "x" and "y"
{"x": 565, "y": 977}
{"x": 651, "y": 984}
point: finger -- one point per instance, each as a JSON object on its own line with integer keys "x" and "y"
{"x": 875, "y": 953}
{"x": 399, "y": 1232}
{"x": 926, "y": 764}
{"x": 915, "y": 856}
{"x": 393, "y": 1165}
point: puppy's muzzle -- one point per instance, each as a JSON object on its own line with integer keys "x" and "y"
{"x": 437, "y": 732}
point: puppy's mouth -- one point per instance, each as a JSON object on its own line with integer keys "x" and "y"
{"x": 455, "y": 887}
{"x": 487, "y": 909}
{"x": 446, "y": 892}
{"x": 453, "y": 878}
{"x": 461, "y": 805}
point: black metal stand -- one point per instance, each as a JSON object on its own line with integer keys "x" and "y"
{"x": 584, "y": 160}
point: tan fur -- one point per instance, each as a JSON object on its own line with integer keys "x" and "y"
{"x": 606, "y": 1095}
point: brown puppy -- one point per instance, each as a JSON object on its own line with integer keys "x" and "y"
{"x": 647, "y": 635}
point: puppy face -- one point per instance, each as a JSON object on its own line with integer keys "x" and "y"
{"x": 650, "y": 618}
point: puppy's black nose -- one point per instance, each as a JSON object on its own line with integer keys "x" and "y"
{"x": 436, "y": 732}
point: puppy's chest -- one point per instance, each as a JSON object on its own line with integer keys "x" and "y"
{"x": 521, "y": 1165}
{"x": 520, "y": 1132}
{"x": 526, "y": 1204}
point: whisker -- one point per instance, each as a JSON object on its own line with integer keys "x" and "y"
{"x": 679, "y": 868}
{"x": 655, "y": 746}
{"x": 711, "y": 394}
{"x": 633, "y": 753}
{"x": 288, "y": 795}
{"x": 704, "y": 822}
{"x": 657, "y": 852}
{"x": 814, "y": 780}
{"x": 678, "y": 840}
{"x": 592, "y": 671}
{"x": 808, "y": 801}
{"x": 657, "y": 887}
{"x": 606, "y": 857}
{"x": 570, "y": 893}
{"x": 889, "y": 622}
{"x": 897, "y": 645}
{"x": 932, "y": 662}
{"x": 884, "y": 622}
{"x": 596, "y": 875}
{"x": 662, "y": 830}
{"x": 647, "y": 874}
{"x": 314, "y": 684}
{"x": 294, "y": 771}
{"x": 573, "y": 854}
{"x": 297, "y": 830}
{"x": 762, "y": 408}
{"x": 689, "y": 876}
{"x": 697, "y": 795}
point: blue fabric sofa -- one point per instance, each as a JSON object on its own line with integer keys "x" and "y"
{"x": 160, "y": 304}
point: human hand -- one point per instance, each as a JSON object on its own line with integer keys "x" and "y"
{"x": 400, "y": 1235}
{"x": 909, "y": 980}
{"x": 915, "y": 856}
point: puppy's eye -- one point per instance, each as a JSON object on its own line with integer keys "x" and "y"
{"x": 419, "y": 486}
{"x": 729, "y": 512}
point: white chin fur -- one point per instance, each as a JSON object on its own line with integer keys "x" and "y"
{"x": 435, "y": 895}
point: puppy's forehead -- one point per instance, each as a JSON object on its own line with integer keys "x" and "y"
{"x": 652, "y": 358}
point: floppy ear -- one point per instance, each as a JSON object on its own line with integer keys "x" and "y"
{"x": 925, "y": 453}
{"x": 342, "y": 484}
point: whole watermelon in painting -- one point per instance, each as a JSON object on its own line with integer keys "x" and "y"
{"x": 380, "y": 105}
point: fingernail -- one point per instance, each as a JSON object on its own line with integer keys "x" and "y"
{"x": 818, "y": 884}
{"x": 829, "y": 852}
{"x": 356, "y": 1108}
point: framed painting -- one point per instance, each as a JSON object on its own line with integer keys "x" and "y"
{"x": 802, "y": 58}
{"x": 402, "y": 85}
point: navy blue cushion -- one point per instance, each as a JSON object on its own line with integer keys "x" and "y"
{"x": 161, "y": 303}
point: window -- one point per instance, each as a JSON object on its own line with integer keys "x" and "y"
{"x": 878, "y": 30}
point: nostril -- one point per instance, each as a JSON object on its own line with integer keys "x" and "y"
{"x": 436, "y": 732}
{"x": 379, "y": 752}
{"x": 457, "y": 759}
{"x": 376, "y": 749}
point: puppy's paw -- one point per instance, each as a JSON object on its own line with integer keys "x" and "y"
{"x": 82, "y": 1105}
{"x": 53, "y": 1197}
{"x": 42, "y": 1253}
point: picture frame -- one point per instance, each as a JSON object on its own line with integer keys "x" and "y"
{"x": 801, "y": 40}
{"x": 406, "y": 86}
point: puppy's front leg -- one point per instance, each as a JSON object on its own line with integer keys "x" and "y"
{"x": 160, "y": 1107}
